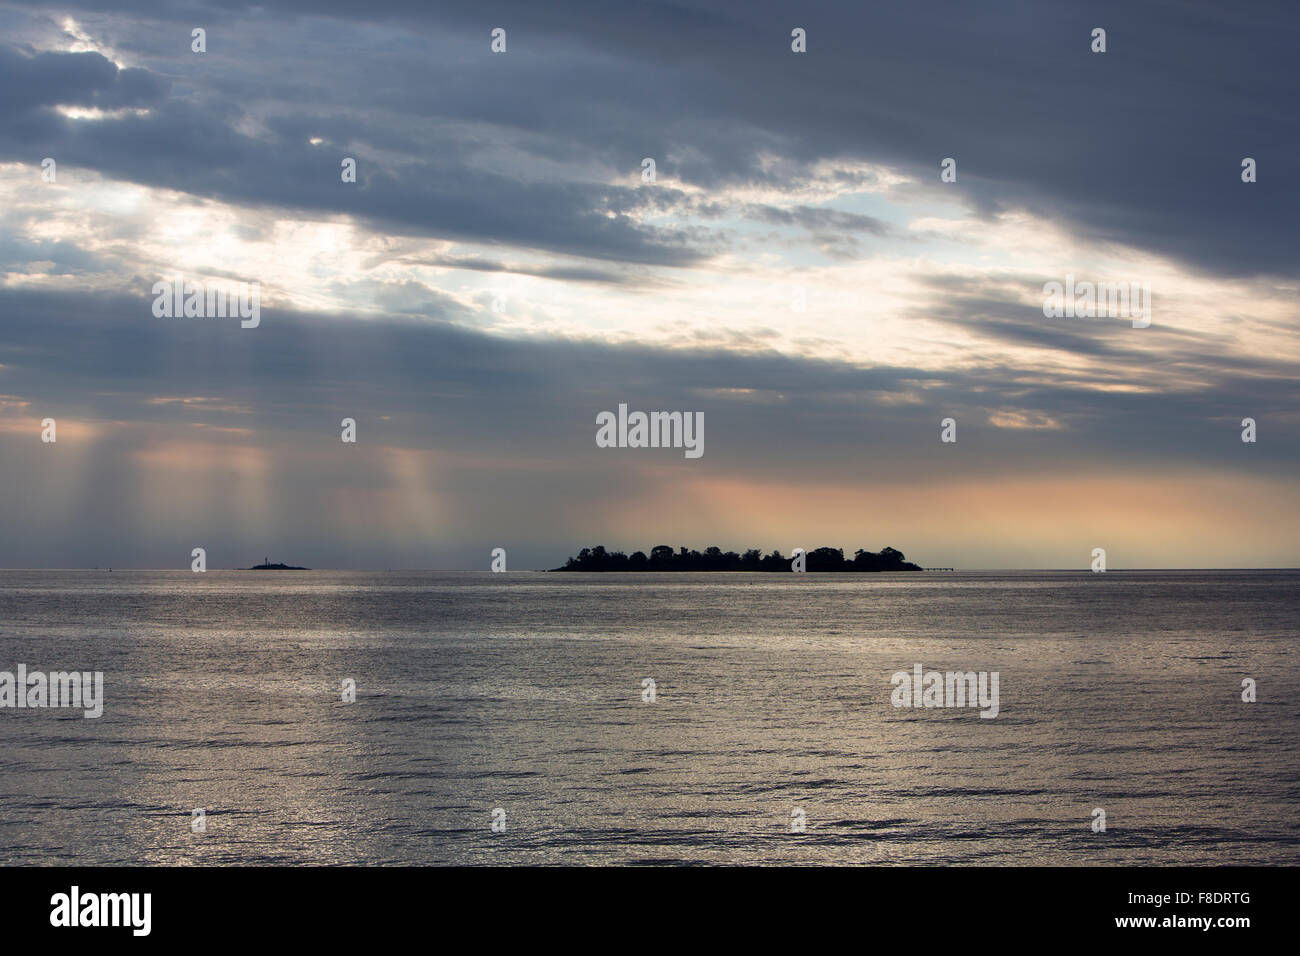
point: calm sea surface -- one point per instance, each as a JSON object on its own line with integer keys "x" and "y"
{"x": 523, "y": 692}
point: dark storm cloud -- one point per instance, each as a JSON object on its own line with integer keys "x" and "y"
{"x": 1140, "y": 145}
{"x": 71, "y": 79}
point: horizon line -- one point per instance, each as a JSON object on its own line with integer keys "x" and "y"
{"x": 979, "y": 570}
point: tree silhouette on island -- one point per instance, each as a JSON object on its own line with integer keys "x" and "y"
{"x": 266, "y": 565}
{"x": 663, "y": 558}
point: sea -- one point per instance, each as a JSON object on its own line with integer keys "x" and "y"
{"x": 397, "y": 718}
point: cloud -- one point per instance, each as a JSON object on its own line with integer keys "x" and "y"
{"x": 484, "y": 176}
{"x": 1110, "y": 143}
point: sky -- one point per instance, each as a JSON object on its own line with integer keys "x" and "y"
{"x": 798, "y": 270}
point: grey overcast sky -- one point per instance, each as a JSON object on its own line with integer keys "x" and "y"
{"x": 501, "y": 272}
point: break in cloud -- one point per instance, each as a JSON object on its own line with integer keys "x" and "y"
{"x": 499, "y": 273}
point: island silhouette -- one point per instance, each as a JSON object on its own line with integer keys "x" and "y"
{"x": 266, "y": 565}
{"x": 663, "y": 558}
